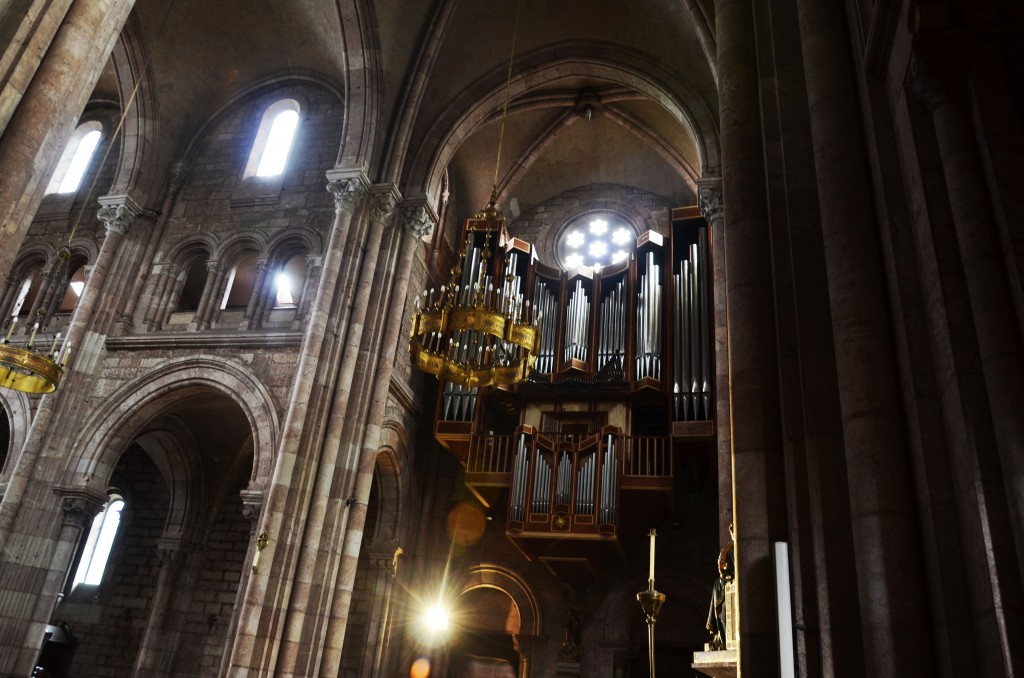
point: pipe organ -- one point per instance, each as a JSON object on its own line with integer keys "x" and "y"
{"x": 621, "y": 387}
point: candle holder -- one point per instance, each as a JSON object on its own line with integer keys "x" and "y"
{"x": 651, "y": 602}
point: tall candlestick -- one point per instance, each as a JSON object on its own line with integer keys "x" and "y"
{"x": 14, "y": 322}
{"x": 32, "y": 338}
{"x": 53, "y": 348}
{"x": 651, "y": 571}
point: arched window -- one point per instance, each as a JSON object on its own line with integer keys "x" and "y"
{"x": 75, "y": 160}
{"x": 273, "y": 140}
{"x": 240, "y": 282}
{"x": 288, "y": 282}
{"x": 195, "y": 283}
{"x": 76, "y": 283}
{"x": 97, "y": 547}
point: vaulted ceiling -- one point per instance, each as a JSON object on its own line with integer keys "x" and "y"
{"x": 603, "y": 91}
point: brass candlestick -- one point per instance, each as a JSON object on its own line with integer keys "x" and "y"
{"x": 651, "y": 602}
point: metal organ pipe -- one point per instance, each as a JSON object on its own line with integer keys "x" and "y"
{"x": 519, "y": 470}
{"x": 544, "y": 304}
{"x": 692, "y": 374}
{"x": 648, "y": 354}
{"x": 612, "y": 335}
{"x": 608, "y": 482}
{"x": 577, "y": 322}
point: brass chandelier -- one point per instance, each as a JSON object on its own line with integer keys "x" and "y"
{"x": 26, "y": 369}
{"x": 478, "y": 330}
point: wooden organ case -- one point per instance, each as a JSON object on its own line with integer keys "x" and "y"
{"x": 581, "y": 458}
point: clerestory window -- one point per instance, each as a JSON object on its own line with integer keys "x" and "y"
{"x": 595, "y": 240}
{"x": 74, "y": 162}
{"x": 97, "y": 547}
{"x": 274, "y": 139}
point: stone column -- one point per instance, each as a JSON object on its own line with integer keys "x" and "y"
{"x": 172, "y": 293}
{"x": 211, "y": 295}
{"x": 419, "y": 220}
{"x": 47, "y": 113}
{"x": 155, "y": 650}
{"x": 890, "y": 569}
{"x": 177, "y": 177}
{"x": 710, "y": 200}
{"x": 327, "y": 511}
{"x": 383, "y": 564}
{"x": 758, "y": 469}
{"x": 257, "y": 298}
{"x": 267, "y": 610}
{"x": 79, "y": 507}
{"x": 313, "y": 264}
{"x": 941, "y": 86}
{"x": 117, "y": 214}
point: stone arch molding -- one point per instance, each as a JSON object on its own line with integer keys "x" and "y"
{"x": 126, "y": 413}
{"x": 18, "y": 409}
{"x": 508, "y": 582}
{"x": 473, "y": 108}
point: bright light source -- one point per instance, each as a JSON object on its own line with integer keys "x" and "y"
{"x": 77, "y": 286}
{"x": 621, "y": 236}
{"x": 279, "y": 142}
{"x": 619, "y": 256}
{"x": 574, "y": 239}
{"x": 79, "y": 163}
{"x": 436, "y": 619}
{"x": 598, "y": 249}
{"x": 284, "y": 289}
{"x": 598, "y": 226}
{"x": 574, "y": 260}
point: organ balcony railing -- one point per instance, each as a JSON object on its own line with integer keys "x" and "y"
{"x": 568, "y": 483}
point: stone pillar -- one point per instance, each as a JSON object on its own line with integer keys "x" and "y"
{"x": 177, "y": 177}
{"x": 258, "y": 297}
{"x": 382, "y": 567}
{"x": 211, "y": 296}
{"x": 327, "y": 511}
{"x": 890, "y": 570}
{"x": 79, "y": 507}
{"x": 172, "y": 294}
{"x": 710, "y": 201}
{"x": 758, "y": 470}
{"x": 313, "y": 264}
{"x": 40, "y": 126}
{"x": 419, "y": 220}
{"x": 155, "y": 650}
{"x": 268, "y": 610}
{"x": 940, "y": 85}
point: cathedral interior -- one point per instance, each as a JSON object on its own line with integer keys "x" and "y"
{"x": 376, "y": 338}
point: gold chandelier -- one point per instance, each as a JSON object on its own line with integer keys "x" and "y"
{"x": 478, "y": 329}
{"x": 23, "y": 368}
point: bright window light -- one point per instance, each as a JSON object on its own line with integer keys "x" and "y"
{"x": 621, "y": 236}
{"x": 77, "y": 286}
{"x": 79, "y": 163}
{"x": 574, "y": 261}
{"x": 598, "y": 249}
{"x": 284, "y": 289}
{"x": 619, "y": 256}
{"x": 98, "y": 545}
{"x": 574, "y": 239}
{"x": 598, "y": 226}
{"x": 279, "y": 142}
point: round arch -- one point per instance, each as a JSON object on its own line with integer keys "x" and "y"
{"x": 18, "y": 409}
{"x": 127, "y": 413}
{"x": 475, "y": 106}
{"x": 507, "y": 581}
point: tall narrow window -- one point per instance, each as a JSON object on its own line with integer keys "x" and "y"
{"x": 76, "y": 283}
{"x": 97, "y": 547}
{"x": 274, "y": 139}
{"x": 76, "y": 158}
{"x": 288, "y": 282}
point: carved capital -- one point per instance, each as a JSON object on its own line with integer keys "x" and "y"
{"x": 117, "y": 217}
{"x": 252, "y": 506}
{"x": 348, "y": 189}
{"x": 80, "y": 505}
{"x": 178, "y": 175}
{"x": 710, "y": 201}
{"x": 385, "y": 199}
{"x": 419, "y": 219}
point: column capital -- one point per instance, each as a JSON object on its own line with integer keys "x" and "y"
{"x": 252, "y": 506}
{"x": 80, "y": 504}
{"x": 709, "y": 198}
{"x": 384, "y": 556}
{"x": 419, "y": 217}
{"x": 348, "y": 188}
{"x": 117, "y": 212}
{"x": 384, "y": 200}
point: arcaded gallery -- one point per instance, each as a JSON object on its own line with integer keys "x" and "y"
{"x": 511, "y": 338}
